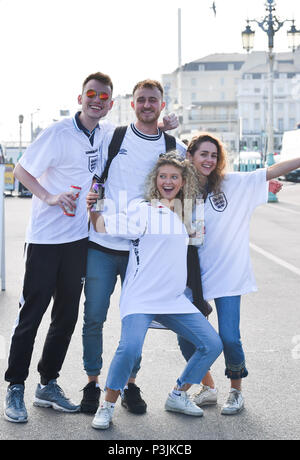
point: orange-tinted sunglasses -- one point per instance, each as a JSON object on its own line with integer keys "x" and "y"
{"x": 91, "y": 93}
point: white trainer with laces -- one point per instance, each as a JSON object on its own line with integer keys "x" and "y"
{"x": 234, "y": 403}
{"x": 206, "y": 396}
{"x": 103, "y": 416}
{"x": 183, "y": 404}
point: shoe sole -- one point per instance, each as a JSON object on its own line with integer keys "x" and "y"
{"x": 41, "y": 403}
{"x": 9, "y": 419}
{"x": 171, "y": 409}
{"x": 139, "y": 411}
{"x": 208, "y": 403}
{"x": 223, "y": 411}
{"x": 101, "y": 427}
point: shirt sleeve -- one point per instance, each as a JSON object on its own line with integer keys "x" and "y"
{"x": 43, "y": 153}
{"x": 129, "y": 224}
{"x": 255, "y": 187}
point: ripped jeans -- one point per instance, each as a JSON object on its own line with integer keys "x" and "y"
{"x": 228, "y": 310}
{"x": 193, "y": 326}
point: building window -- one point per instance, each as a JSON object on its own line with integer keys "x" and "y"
{"x": 280, "y": 124}
{"x": 257, "y": 106}
{"x": 256, "y": 124}
{"x": 292, "y": 123}
{"x": 245, "y": 124}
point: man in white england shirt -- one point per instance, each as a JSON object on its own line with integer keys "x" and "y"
{"x": 66, "y": 153}
{"x": 107, "y": 255}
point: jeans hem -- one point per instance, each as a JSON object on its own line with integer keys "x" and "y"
{"x": 236, "y": 374}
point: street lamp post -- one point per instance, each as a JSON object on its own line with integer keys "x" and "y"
{"x": 270, "y": 24}
{"x": 21, "y": 119}
{"x": 31, "y": 124}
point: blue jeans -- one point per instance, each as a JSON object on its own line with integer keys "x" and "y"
{"x": 101, "y": 277}
{"x": 228, "y": 310}
{"x": 192, "y": 326}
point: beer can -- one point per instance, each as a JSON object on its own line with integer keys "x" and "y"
{"x": 75, "y": 192}
{"x": 98, "y": 188}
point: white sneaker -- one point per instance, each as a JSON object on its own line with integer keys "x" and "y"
{"x": 182, "y": 404}
{"x": 206, "y": 396}
{"x": 234, "y": 403}
{"x": 103, "y": 416}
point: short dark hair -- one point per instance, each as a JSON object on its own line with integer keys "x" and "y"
{"x": 102, "y": 77}
{"x": 149, "y": 84}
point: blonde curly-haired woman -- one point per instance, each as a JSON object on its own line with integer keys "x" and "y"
{"x": 155, "y": 283}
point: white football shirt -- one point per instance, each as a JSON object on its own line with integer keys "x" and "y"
{"x": 60, "y": 157}
{"x": 225, "y": 256}
{"x": 157, "y": 269}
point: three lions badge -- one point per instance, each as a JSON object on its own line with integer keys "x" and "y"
{"x": 218, "y": 202}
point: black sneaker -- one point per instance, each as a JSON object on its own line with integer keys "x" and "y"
{"x": 132, "y": 401}
{"x": 91, "y": 398}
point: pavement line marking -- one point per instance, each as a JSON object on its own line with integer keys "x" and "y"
{"x": 275, "y": 259}
{"x": 291, "y": 203}
{"x": 284, "y": 209}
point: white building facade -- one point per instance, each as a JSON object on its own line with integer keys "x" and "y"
{"x": 227, "y": 94}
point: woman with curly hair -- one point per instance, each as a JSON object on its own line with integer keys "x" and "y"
{"x": 226, "y": 271}
{"x": 155, "y": 283}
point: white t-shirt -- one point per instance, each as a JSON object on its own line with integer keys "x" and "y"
{"x": 127, "y": 174}
{"x": 224, "y": 257}
{"x": 157, "y": 271}
{"x": 60, "y": 157}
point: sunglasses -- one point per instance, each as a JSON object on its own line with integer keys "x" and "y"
{"x": 91, "y": 93}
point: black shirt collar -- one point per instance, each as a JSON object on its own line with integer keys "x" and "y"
{"x": 89, "y": 134}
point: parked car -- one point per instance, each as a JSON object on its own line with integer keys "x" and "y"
{"x": 248, "y": 161}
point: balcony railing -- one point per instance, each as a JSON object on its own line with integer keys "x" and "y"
{"x": 213, "y": 118}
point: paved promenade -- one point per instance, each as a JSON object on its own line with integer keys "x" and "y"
{"x": 271, "y": 336}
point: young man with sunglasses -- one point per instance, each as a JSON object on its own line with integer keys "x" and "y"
{"x": 66, "y": 154}
{"x": 108, "y": 256}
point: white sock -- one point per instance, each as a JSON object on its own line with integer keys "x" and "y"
{"x": 108, "y": 404}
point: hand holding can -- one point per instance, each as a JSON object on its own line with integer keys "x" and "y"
{"x": 75, "y": 191}
{"x": 98, "y": 206}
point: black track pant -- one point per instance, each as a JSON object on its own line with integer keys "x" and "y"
{"x": 52, "y": 270}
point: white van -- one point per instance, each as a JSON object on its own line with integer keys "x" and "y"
{"x": 291, "y": 149}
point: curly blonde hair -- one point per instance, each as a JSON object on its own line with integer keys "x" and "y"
{"x": 187, "y": 195}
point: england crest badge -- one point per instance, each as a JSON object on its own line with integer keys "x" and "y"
{"x": 93, "y": 160}
{"x": 218, "y": 202}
